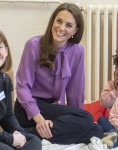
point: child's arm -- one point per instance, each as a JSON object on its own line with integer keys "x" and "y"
{"x": 113, "y": 115}
{"x": 10, "y": 135}
{"x": 9, "y": 122}
{"x": 6, "y": 138}
{"x": 108, "y": 95}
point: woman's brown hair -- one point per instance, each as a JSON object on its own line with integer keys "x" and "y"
{"x": 47, "y": 54}
{"x": 8, "y": 62}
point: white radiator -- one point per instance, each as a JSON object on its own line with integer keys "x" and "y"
{"x": 101, "y": 33}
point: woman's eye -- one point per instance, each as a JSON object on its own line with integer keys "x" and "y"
{"x": 69, "y": 25}
{"x": 59, "y": 21}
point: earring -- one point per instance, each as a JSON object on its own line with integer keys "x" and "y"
{"x": 72, "y": 36}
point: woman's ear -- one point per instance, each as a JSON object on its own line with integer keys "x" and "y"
{"x": 6, "y": 51}
{"x": 76, "y": 30}
{"x": 114, "y": 74}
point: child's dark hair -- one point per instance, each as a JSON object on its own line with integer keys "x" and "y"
{"x": 115, "y": 59}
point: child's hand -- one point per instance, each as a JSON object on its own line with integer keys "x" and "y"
{"x": 19, "y": 139}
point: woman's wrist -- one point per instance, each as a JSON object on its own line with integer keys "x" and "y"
{"x": 37, "y": 118}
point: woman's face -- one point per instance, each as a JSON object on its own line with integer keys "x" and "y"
{"x": 64, "y": 27}
{"x": 3, "y": 53}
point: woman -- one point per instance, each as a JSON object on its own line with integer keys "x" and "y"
{"x": 13, "y": 136}
{"x": 51, "y": 66}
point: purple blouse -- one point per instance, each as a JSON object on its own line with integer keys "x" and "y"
{"x": 66, "y": 77}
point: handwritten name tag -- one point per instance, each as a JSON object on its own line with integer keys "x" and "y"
{"x": 2, "y": 95}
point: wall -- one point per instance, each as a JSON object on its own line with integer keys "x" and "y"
{"x": 97, "y": 2}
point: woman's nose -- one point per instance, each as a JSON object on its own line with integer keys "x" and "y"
{"x": 62, "y": 26}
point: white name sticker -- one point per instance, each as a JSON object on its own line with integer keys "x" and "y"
{"x": 2, "y": 95}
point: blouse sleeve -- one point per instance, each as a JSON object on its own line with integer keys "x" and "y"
{"x": 76, "y": 85}
{"x": 108, "y": 95}
{"x": 25, "y": 79}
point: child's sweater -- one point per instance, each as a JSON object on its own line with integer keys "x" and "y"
{"x": 109, "y": 99}
{"x": 7, "y": 118}
{"x": 109, "y": 95}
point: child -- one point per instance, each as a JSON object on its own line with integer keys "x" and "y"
{"x": 109, "y": 100}
{"x": 110, "y": 92}
{"x": 13, "y": 136}
{"x": 113, "y": 115}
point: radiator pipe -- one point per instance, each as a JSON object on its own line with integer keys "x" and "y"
{"x": 33, "y": 1}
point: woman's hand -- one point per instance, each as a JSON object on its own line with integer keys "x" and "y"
{"x": 19, "y": 139}
{"x": 43, "y": 126}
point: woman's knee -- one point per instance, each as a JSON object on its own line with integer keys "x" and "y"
{"x": 5, "y": 147}
{"x": 36, "y": 141}
{"x": 98, "y": 130}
